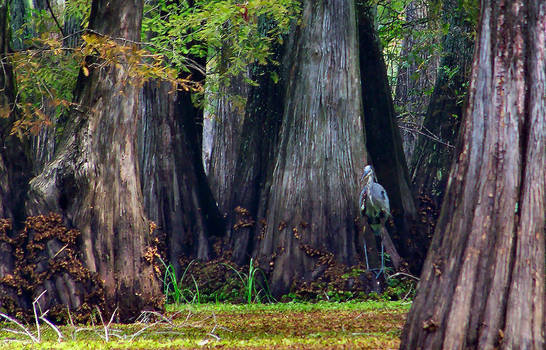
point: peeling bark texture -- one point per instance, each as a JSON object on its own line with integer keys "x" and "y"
{"x": 482, "y": 285}
{"x": 94, "y": 178}
{"x": 173, "y": 195}
{"x": 313, "y": 202}
{"x": 384, "y": 143}
{"x": 415, "y": 76}
{"x": 432, "y": 158}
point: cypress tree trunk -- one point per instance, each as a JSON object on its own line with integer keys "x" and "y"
{"x": 7, "y": 98}
{"x": 432, "y": 158}
{"x": 384, "y": 143}
{"x": 14, "y": 163}
{"x": 172, "y": 184}
{"x": 227, "y": 121}
{"x": 435, "y": 147}
{"x": 482, "y": 285}
{"x": 416, "y": 74}
{"x": 259, "y": 140}
{"x": 94, "y": 180}
{"x": 313, "y": 201}
{"x": 227, "y": 127}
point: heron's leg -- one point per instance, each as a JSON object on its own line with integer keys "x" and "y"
{"x": 382, "y": 260}
{"x": 366, "y": 255}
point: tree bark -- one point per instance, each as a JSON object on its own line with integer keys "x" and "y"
{"x": 433, "y": 157}
{"x": 175, "y": 192}
{"x": 416, "y": 74}
{"x": 14, "y": 162}
{"x": 482, "y": 285}
{"x": 383, "y": 140}
{"x": 312, "y": 205}
{"x": 94, "y": 179}
{"x": 254, "y": 159}
{"x": 227, "y": 120}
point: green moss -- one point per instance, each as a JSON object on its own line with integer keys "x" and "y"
{"x": 363, "y": 325}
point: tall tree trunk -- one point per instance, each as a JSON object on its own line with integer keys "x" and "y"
{"x": 258, "y": 147}
{"x": 433, "y": 157}
{"x": 176, "y": 194}
{"x": 416, "y": 73}
{"x": 14, "y": 163}
{"x": 94, "y": 179}
{"x": 383, "y": 140}
{"x": 227, "y": 127}
{"x": 312, "y": 206}
{"x": 482, "y": 285}
{"x": 435, "y": 147}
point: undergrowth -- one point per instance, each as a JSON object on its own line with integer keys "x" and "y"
{"x": 220, "y": 281}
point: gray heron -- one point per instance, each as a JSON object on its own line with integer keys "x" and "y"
{"x": 374, "y": 204}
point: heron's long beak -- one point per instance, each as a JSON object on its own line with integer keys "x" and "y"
{"x": 366, "y": 174}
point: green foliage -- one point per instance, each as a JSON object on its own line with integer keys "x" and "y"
{"x": 394, "y": 26}
{"x": 79, "y": 9}
{"x": 400, "y": 287}
{"x": 45, "y": 80}
{"x": 254, "y": 287}
{"x": 173, "y": 288}
{"x": 175, "y": 35}
{"x": 225, "y": 33}
{"x": 215, "y": 282}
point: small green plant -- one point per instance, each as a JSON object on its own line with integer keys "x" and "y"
{"x": 172, "y": 287}
{"x": 253, "y": 286}
{"x": 170, "y": 284}
{"x": 400, "y": 286}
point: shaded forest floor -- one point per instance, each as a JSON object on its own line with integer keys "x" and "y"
{"x": 362, "y": 325}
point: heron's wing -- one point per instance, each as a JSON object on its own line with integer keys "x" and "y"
{"x": 380, "y": 199}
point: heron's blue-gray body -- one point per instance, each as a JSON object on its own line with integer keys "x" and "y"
{"x": 374, "y": 204}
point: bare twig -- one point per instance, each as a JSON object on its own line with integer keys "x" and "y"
{"x": 59, "y": 334}
{"x": 25, "y": 330}
{"x": 404, "y": 274}
{"x": 36, "y": 317}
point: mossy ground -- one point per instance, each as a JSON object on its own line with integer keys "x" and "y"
{"x": 362, "y": 325}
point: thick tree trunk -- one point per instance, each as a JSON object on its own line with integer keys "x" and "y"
{"x": 482, "y": 285}
{"x": 313, "y": 203}
{"x": 227, "y": 127}
{"x": 7, "y": 195}
{"x": 7, "y": 98}
{"x": 176, "y": 196}
{"x": 384, "y": 143}
{"x": 416, "y": 74}
{"x": 433, "y": 157}
{"x": 14, "y": 163}
{"x": 94, "y": 179}
{"x": 258, "y": 147}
